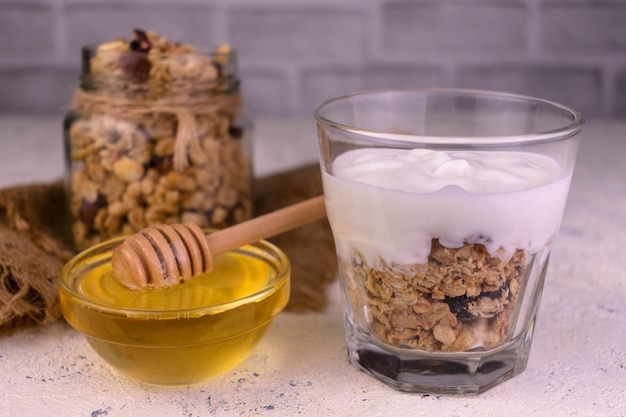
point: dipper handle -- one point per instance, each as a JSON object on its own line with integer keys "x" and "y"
{"x": 165, "y": 255}
{"x": 270, "y": 224}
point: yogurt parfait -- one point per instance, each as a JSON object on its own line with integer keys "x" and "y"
{"x": 444, "y": 205}
{"x": 435, "y": 245}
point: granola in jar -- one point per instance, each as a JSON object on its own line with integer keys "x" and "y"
{"x": 157, "y": 134}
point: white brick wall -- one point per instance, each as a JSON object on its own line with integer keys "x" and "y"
{"x": 296, "y": 53}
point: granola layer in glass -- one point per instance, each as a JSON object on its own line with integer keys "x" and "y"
{"x": 462, "y": 298}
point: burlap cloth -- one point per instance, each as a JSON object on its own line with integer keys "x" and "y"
{"x": 34, "y": 246}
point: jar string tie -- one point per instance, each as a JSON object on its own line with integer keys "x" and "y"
{"x": 184, "y": 107}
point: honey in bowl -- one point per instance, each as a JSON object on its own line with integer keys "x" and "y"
{"x": 180, "y": 334}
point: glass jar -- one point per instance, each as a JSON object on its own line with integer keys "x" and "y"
{"x": 157, "y": 134}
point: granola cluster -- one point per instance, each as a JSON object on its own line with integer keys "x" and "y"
{"x": 150, "y": 66}
{"x": 461, "y": 299}
{"x": 155, "y": 138}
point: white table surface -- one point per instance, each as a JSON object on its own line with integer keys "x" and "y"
{"x": 577, "y": 365}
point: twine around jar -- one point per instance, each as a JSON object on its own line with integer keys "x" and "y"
{"x": 184, "y": 107}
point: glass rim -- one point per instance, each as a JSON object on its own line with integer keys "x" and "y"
{"x": 563, "y": 132}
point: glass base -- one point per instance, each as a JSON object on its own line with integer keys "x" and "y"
{"x": 456, "y": 373}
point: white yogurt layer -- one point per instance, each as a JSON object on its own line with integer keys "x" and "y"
{"x": 391, "y": 203}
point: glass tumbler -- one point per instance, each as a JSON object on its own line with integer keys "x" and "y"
{"x": 444, "y": 205}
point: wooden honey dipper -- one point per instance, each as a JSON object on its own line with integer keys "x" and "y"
{"x": 165, "y": 255}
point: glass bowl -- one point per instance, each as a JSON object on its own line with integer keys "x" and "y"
{"x": 182, "y": 334}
